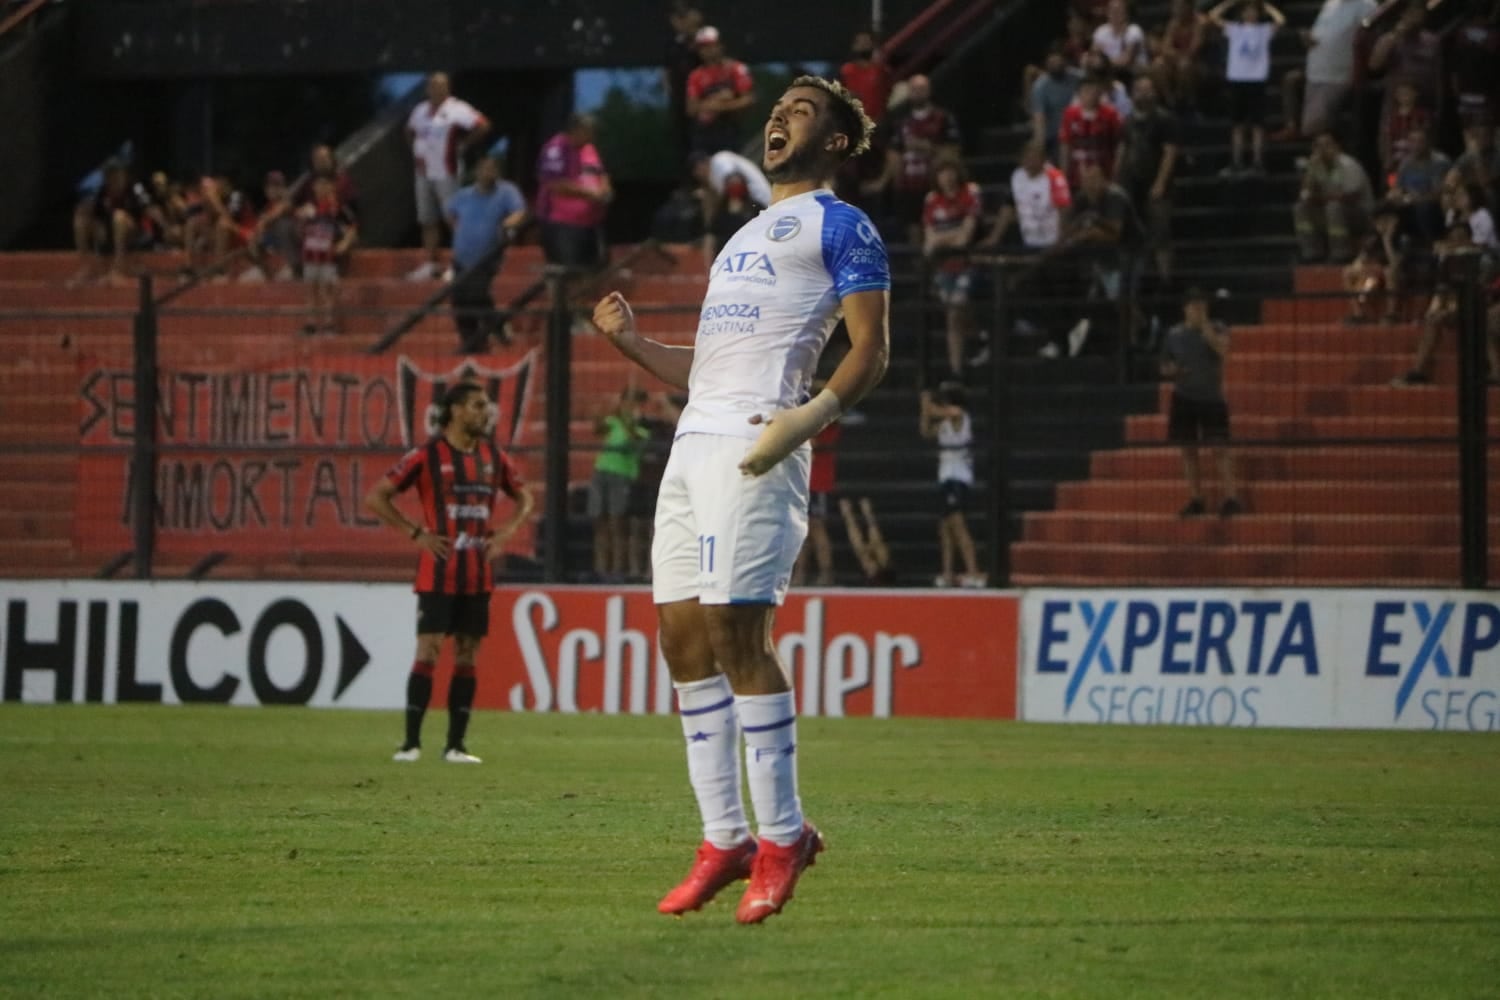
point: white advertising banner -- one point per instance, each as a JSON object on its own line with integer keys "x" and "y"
{"x": 563, "y": 649}
{"x": 1409, "y": 659}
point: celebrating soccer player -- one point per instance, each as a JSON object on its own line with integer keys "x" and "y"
{"x": 732, "y": 511}
{"x": 457, "y": 474}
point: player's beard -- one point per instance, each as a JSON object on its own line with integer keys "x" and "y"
{"x": 801, "y": 164}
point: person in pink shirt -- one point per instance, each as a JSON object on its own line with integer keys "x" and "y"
{"x": 573, "y": 195}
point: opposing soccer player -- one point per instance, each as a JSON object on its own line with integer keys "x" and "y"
{"x": 457, "y": 475}
{"x": 732, "y": 511}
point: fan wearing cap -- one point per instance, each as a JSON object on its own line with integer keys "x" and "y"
{"x": 718, "y": 92}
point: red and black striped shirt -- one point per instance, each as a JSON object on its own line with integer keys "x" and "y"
{"x": 458, "y": 491}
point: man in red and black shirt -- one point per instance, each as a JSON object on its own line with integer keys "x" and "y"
{"x": 718, "y": 93}
{"x": 457, "y": 475}
{"x": 1091, "y": 132}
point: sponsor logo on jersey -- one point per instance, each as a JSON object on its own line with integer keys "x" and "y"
{"x": 728, "y": 317}
{"x": 746, "y": 266}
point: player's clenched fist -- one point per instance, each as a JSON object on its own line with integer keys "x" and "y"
{"x": 614, "y": 319}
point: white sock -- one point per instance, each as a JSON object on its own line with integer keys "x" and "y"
{"x": 712, "y": 731}
{"x": 770, "y": 725}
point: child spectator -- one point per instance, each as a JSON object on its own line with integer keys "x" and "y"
{"x": 945, "y": 419}
{"x": 1090, "y": 132}
{"x": 1375, "y": 274}
{"x": 1247, "y": 71}
{"x": 1406, "y": 117}
{"x": 868, "y": 543}
{"x": 949, "y": 218}
{"x": 1193, "y": 358}
{"x": 328, "y": 233}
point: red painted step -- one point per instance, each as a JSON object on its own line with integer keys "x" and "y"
{"x": 1161, "y": 496}
{"x": 1218, "y": 563}
{"x": 1094, "y": 528}
{"x": 1258, "y": 464}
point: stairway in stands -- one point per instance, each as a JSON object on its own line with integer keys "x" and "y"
{"x": 1370, "y": 509}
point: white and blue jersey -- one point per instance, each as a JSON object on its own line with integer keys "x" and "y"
{"x": 774, "y": 297}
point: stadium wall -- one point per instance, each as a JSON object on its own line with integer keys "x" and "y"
{"x": 1378, "y": 659}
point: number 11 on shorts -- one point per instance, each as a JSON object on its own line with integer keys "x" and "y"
{"x": 705, "y": 553}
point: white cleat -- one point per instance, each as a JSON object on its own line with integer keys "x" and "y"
{"x": 407, "y": 755}
{"x": 458, "y": 755}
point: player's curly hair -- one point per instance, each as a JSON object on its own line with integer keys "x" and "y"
{"x": 848, "y": 112}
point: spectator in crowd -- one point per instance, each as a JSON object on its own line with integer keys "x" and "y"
{"x": 324, "y": 162}
{"x": 622, "y": 441}
{"x": 921, "y": 134}
{"x": 120, "y": 219}
{"x": 1313, "y": 95}
{"x": 1418, "y": 186}
{"x": 945, "y": 419}
{"x": 573, "y": 194}
{"x": 868, "y": 543}
{"x": 660, "y": 423}
{"x": 276, "y": 234}
{"x": 1247, "y": 71}
{"x": 1406, "y": 117}
{"x": 712, "y": 173}
{"x": 1479, "y": 163}
{"x": 1148, "y": 159}
{"x": 949, "y": 218}
{"x": 1104, "y": 234}
{"x": 1078, "y": 38}
{"x": 726, "y": 214}
{"x": 1176, "y": 68}
{"x": 681, "y": 59}
{"x": 1442, "y": 309}
{"x": 1468, "y": 205}
{"x": 1120, "y": 41}
{"x": 1193, "y": 358}
{"x": 328, "y": 233}
{"x": 484, "y": 217}
{"x": 822, "y": 482}
{"x": 441, "y": 130}
{"x": 867, "y": 76}
{"x": 1374, "y": 278}
{"x": 1050, "y": 95}
{"x": 1473, "y": 60}
{"x": 1113, "y": 91}
{"x": 1408, "y": 52}
{"x": 718, "y": 94}
{"x": 220, "y": 220}
{"x": 1091, "y": 132}
{"x": 1335, "y": 202}
{"x": 1039, "y": 196}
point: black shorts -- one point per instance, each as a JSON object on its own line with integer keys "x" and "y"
{"x": 1190, "y": 421}
{"x": 572, "y": 246}
{"x": 953, "y": 496}
{"x": 453, "y": 614}
{"x": 1247, "y": 103}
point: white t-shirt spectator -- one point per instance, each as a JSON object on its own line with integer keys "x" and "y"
{"x": 1482, "y": 228}
{"x": 1039, "y": 204}
{"x": 1114, "y": 45}
{"x": 1249, "y": 51}
{"x": 726, "y": 162}
{"x": 437, "y": 133}
{"x": 1331, "y": 59}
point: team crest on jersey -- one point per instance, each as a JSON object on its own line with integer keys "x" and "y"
{"x": 508, "y": 388}
{"x": 784, "y": 228}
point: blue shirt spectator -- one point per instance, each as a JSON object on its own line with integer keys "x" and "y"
{"x": 481, "y": 213}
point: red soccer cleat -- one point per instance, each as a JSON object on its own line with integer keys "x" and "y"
{"x": 775, "y": 876}
{"x": 713, "y": 869}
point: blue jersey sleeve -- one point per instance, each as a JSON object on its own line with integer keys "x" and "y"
{"x": 853, "y": 251}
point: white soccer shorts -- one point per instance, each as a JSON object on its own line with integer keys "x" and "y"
{"x": 721, "y": 536}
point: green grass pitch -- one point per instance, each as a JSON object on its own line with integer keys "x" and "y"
{"x": 262, "y": 853}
